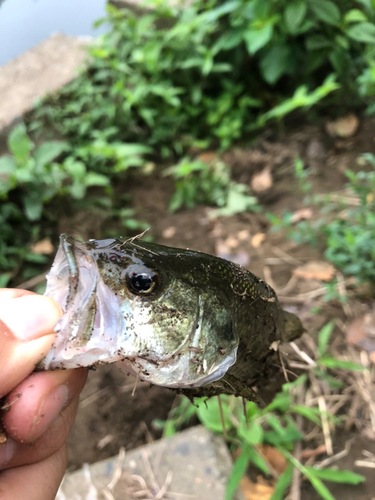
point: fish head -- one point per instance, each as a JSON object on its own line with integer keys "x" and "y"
{"x": 152, "y": 309}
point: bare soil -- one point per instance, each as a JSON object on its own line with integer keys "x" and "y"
{"x": 110, "y": 416}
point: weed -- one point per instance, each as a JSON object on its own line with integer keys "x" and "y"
{"x": 276, "y": 425}
{"x": 199, "y": 182}
{"x": 220, "y": 71}
{"x": 346, "y": 226}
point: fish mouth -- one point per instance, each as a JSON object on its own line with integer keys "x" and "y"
{"x": 90, "y": 310}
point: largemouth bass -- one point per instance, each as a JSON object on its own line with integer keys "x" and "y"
{"x": 176, "y": 318}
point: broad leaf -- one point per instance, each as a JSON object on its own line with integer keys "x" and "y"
{"x": 326, "y": 11}
{"x": 275, "y": 63}
{"x": 362, "y": 32}
{"x": 33, "y": 204}
{"x": 20, "y": 144}
{"x": 255, "y": 39}
{"x": 294, "y": 14}
{"x": 49, "y": 151}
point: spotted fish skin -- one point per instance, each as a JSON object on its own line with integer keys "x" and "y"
{"x": 178, "y": 318}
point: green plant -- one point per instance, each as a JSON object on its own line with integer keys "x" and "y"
{"x": 346, "y": 225}
{"x": 276, "y": 425}
{"x": 31, "y": 177}
{"x": 212, "y": 72}
{"x": 200, "y": 182}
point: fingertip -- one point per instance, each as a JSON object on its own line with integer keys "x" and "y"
{"x": 30, "y": 316}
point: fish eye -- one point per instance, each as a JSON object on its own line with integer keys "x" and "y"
{"x": 142, "y": 283}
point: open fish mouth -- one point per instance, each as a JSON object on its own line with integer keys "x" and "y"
{"x": 100, "y": 325}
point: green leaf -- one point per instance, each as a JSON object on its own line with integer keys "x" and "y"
{"x": 312, "y": 477}
{"x": 209, "y": 414}
{"x": 362, "y": 32}
{"x": 252, "y": 433}
{"x": 255, "y": 39}
{"x": 294, "y": 14}
{"x": 324, "y": 336}
{"x": 317, "y": 42}
{"x": 340, "y": 364}
{"x": 355, "y": 16}
{"x": 275, "y": 63}
{"x": 309, "y": 413}
{"x": 20, "y": 144}
{"x": 48, "y": 151}
{"x": 33, "y": 203}
{"x": 326, "y": 11}
{"x": 4, "y": 279}
{"x": 237, "y": 473}
{"x": 337, "y": 476}
{"x": 282, "y": 483}
{"x": 7, "y": 166}
{"x": 258, "y": 461}
{"x": 94, "y": 179}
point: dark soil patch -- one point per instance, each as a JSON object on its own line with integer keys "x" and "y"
{"x": 113, "y": 417}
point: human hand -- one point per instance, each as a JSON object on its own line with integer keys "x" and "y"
{"x": 37, "y": 409}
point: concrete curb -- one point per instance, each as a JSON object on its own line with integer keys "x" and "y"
{"x": 192, "y": 464}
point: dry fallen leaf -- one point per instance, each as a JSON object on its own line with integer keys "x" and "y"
{"x": 361, "y": 332}
{"x": 43, "y": 247}
{"x": 343, "y": 127}
{"x": 256, "y": 491}
{"x": 308, "y": 453}
{"x": 303, "y": 214}
{"x": 232, "y": 241}
{"x": 169, "y": 232}
{"x": 223, "y": 251}
{"x": 257, "y": 240}
{"x": 315, "y": 270}
{"x": 243, "y": 235}
{"x": 217, "y": 231}
{"x": 207, "y": 157}
{"x": 262, "y": 181}
{"x": 274, "y": 457}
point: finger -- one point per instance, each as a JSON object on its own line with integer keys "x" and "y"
{"x": 35, "y": 403}
{"x": 15, "y": 454}
{"x": 13, "y": 293}
{"x": 26, "y": 334}
{"x": 40, "y": 480}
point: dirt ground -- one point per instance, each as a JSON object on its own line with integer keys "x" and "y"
{"x": 110, "y": 416}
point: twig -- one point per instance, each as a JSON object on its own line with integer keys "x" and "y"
{"x": 135, "y": 385}
{"x": 364, "y": 463}
{"x": 222, "y": 417}
{"x": 286, "y": 257}
{"x": 325, "y": 424}
{"x": 32, "y": 282}
{"x": 282, "y": 365}
{"x": 302, "y": 354}
{"x": 118, "y": 469}
{"x": 334, "y": 458}
{"x": 90, "y": 399}
{"x": 165, "y": 486}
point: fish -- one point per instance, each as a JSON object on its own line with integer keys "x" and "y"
{"x": 174, "y": 317}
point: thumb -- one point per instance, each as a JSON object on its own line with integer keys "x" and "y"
{"x": 26, "y": 335}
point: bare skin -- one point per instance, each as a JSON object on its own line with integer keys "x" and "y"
{"x": 37, "y": 409}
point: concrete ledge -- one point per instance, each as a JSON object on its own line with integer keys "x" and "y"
{"x": 38, "y": 72}
{"x": 192, "y": 464}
